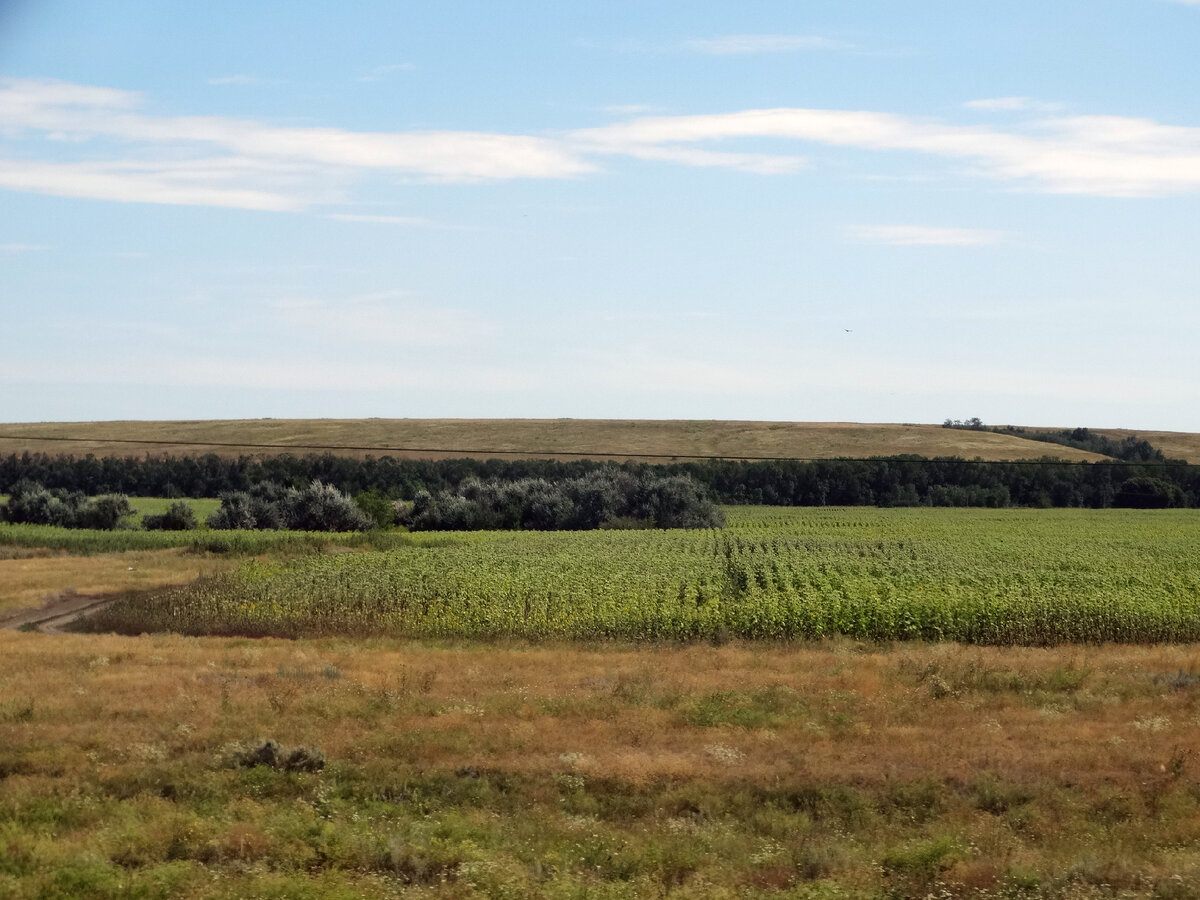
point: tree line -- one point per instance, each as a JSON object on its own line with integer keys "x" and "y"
{"x": 1130, "y": 448}
{"x": 883, "y": 481}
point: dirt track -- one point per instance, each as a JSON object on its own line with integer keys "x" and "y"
{"x": 58, "y": 611}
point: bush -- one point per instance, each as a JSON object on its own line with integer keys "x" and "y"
{"x": 178, "y": 517}
{"x": 1144, "y": 492}
{"x": 376, "y": 507}
{"x": 268, "y": 506}
{"x": 104, "y": 513}
{"x": 322, "y": 507}
{"x": 32, "y": 504}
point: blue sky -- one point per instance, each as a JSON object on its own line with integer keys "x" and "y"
{"x": 822, "y": 211}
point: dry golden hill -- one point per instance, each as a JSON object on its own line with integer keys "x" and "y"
{"x": 516, "y": 438}
{"x": 1173, "y": 444}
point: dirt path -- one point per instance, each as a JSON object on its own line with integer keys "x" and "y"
{"x": 57, "y": 611}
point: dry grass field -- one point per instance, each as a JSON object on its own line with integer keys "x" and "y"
{"x": 31, "y": 576}
{"x": 836, "y": 769}
{"x": 1173, "y": 444}
{"x": 512, "y": 438}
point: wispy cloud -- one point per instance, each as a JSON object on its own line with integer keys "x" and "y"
{"x": 147, "y": 182}
{"x": 1100, "y": 155}
{"x": 93, "y": 142}
{"x": 14, "y": 249}
{"x": 170, "y": 159}
{"x": 381, "y": 72}
{"x": 923, "y": 236}
{"x": 741, "y": 44}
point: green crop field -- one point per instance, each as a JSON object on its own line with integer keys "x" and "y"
{"x": 991, "y": 577}
{"x": 86, "y": 542}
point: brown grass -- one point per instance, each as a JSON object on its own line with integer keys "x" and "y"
{"x": 1094, "y": 717}
{"x": 703, "y": 771}
{"x": 597, "y": 438}
{"x": 28, "y": 578}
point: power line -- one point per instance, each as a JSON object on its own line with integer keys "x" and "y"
{"x": 594, "y": 454}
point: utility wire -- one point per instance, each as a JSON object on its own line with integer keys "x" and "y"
{"x": 593, "y": 454}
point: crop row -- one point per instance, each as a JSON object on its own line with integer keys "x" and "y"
{"x": 1004, "y": 576}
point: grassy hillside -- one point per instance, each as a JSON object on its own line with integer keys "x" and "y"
{"x": 562, "y": 438}
{"x": 1174, "y": 444}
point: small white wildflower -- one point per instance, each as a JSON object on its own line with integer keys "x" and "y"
{"x": 1152, "y": 724}
{"x": 723, "y": 753}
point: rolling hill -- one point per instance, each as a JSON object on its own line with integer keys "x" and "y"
{"x": 515, "y": 438}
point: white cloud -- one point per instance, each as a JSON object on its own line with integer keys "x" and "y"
{"x": 1013, "y": 104}
{"x": 1101, "y": 155}
{"x": 443, "y": 155}
{"x": 261, "y": 157}
{"x": 243, "y": 163}
{"x": 739, "y": 44}
{"x": 13, "y": 249}
{"x": 923, "y": 236}
{"x": 136, "y": 183}
{"x": 756, "y": 163}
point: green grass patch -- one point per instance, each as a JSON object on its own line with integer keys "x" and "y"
{"x": 84, "y": 542}
{"x": 203, "y": 507}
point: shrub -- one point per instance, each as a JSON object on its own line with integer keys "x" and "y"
{"x": 234, "y": 513}
{"x": 319, "y": 507}
{"x": 178, "y": 517}
{"x": 377, "y": 507}
{"x": 32, "y": 504}
{"x": 104, "y": 513}
{"x": 322, "y": 507}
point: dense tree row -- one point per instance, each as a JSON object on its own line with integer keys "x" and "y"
{"x": 893, "y": 481}
{"x": 1131, "y": 448}
{"x": 607, "y": 498}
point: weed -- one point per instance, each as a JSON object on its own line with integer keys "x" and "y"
{"x": 270, "y": 754}
{"x": 17, "y": 710}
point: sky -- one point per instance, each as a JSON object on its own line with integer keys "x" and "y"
{"x": 818, "y": 211}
